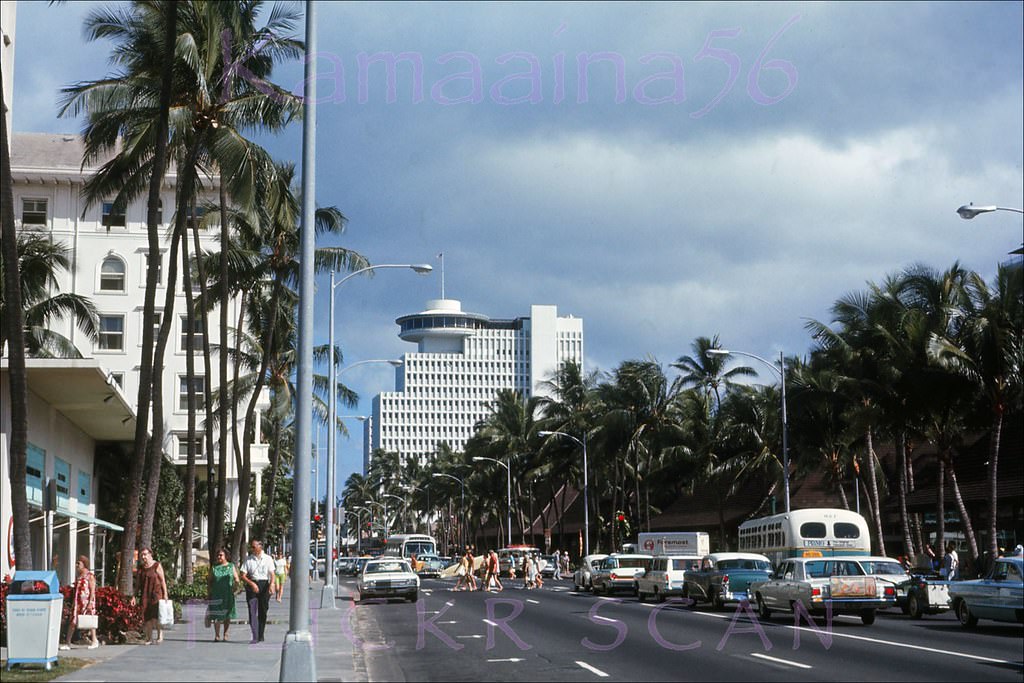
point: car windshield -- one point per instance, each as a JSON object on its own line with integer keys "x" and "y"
{"x": 760, "y": 565}
{"x": 635, "y": 562}
{"x": 382, "y": 567}
{"x": 883, "y": 568}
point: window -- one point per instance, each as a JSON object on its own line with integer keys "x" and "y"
{"x": 33, "y": 211}
{"x": 198, "y": 389}
{"x": 62, "y": 473}
{"x": 846, "y": 530}
{"x": 197, "y": 328}
{"x": 159, "y": 270}
{"x": 112, "y": 332}
{"x": 812, "y": 530}
{"x": 118, "y": 378}
{"x": 196, "y": 217}
{"x": 112, "y": 275}
{"x": 183, "y": 446}
{"x": 35, "y": 468}
{"x": 110, "y": 218}
{"x": 84, "y": 488}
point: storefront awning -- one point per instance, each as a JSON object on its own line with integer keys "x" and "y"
{"x": 81, "y": 517}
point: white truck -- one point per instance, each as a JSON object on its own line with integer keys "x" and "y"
{"x": 692, "y": 543}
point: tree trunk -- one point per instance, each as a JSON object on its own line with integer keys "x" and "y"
{"x": 965, "y": 518}
{"x": 190, "y": 372}
{"x": 275, "y": 463}
{"x": 876, "y": 507}
{"x": 14, "y": 333}
{"x": 993, "y": 482}
{"x": 222, "y": 359}
{"x": 208, "y": 446}
{"x": 142, "y": 404}
{"x": 901, "y": 451}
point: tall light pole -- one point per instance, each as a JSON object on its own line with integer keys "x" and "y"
{"x": 781, "y": 370}
{"x": 462, "y": 506}
{"x": 586, "y": 499}
{"x": 508, "y": 472}
{"x": 969, "y": 211}
{"x": 410, "y": 488}
{"x": 359, "y": 521}
{"x": 327, "y": 593}
{"x": 298, "y": 662}
{"x": 387, "y": 526}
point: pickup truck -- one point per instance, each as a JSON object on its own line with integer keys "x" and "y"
{"x": 726, "y": 577}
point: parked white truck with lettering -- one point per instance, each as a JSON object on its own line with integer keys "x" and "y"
{"x": 690, "y": 543}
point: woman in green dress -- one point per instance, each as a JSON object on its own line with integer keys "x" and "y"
{"x": 223, "y": 579}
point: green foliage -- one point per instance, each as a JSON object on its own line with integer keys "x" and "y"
{"x": 166, "y": 525}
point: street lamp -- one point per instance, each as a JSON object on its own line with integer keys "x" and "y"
{"x": 462, "y": 506}
{"x": 586, "y": 500}
{"x": 327, "y": 599}
{"x": 410, "y": 488}
{"x": 508, "y": 472}
{"x": 387, "y": 526}
{"x": 969, "y": 211}
{"x": 359, "y": 525}
{"x": 781, "y": 370}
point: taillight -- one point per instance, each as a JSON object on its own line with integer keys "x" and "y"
{"x": 890, "y": 591}
{"x": 815, "y": 592}
{"x": 614, "y": 575}
{"x": 725, "y": 580}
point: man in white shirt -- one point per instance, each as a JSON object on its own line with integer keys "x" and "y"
{"x": 258, "y": 575}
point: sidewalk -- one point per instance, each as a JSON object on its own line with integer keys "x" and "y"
{"x": 188, "y": 652}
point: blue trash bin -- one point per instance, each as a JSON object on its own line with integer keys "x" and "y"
{"x": 34, "y": 609}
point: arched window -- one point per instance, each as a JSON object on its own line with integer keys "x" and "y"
{"x": 112, "y": 275}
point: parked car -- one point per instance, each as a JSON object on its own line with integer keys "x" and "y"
{"x": 346, "y": 566}
{"x": 666, "y": 577}
{"x": 390, "y": 577}
{"x": 999, "y": 596}
{"x": 581, "y": 578}
{"x": 818, "y": 583}
{"x": 430, "y": 565}
{"x": 726, "y": 577}
{"x": 619, "y": 572}
{"x": 548, "y": 568}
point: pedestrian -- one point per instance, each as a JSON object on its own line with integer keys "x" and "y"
{"x": 950, "y": 563}
{"x": 557, "y": 575}
{"x": 1018, "y": 551}
{"x": 259, "y": 579}
{"x": 471, "y": 568}
{"x": 565, "y": 563}
{"x": 463, "y": 572}
{"x": 83, "y": 603}
{"x": 280, "y": 572}
{"x": 221, "y": 586}
{"x": 153, "y": 589}
{"x": 491, "y": 572}
{"x": 538, "y": 580}
{"x": 529, "y": 572}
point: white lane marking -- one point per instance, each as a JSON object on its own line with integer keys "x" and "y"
{"x": 536, "y": 602}
{"x": 592, "y": 670}
{"x": 510, "y": 659}
{"x": 780, "y": 661}
{"x": 598, "y": 616}
{"x": 447, "y": 622}
{"x": 490, "y": 623}
{"x": 922, "y": 648}
{"x": 469, "y": 636}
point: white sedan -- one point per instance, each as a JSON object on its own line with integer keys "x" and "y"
{"x": 388, "y": 577}
{"x": 581, "y": 578}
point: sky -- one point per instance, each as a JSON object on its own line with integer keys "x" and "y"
{"x": 717, "y": 169}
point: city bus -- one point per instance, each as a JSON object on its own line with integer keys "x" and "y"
{"x": 404, "y": 545}
{"x": 814, "y": 532}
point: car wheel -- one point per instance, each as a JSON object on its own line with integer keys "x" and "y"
{"x": 963, "y": 613}
{"x": 867, "y": 616}
{"x": 413, "y": 597}
{"x": 762, "y": 609}
{"x": 658, "y": 595}
{"x": 914, "y": 607}
{"x": 716, "y": 601}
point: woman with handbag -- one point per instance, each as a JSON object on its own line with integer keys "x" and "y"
{"x": 154, "y": 590}
{"x": 83, "y": 608}
{"x": 224, "y": 580}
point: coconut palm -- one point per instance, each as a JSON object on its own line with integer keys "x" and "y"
{"x": 708, "y": 371}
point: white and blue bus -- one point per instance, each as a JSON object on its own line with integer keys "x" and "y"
{"x": 405, "y": 545}
{"x": 814, "y": 532}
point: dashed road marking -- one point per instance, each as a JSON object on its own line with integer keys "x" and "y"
{"x": 535, "y": 602}
{"x": 780, "y": 661}
{"x": 592, "y": 669}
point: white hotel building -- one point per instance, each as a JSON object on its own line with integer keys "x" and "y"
{"x": 463, "y": 359}
{"x": 109, "y": 254}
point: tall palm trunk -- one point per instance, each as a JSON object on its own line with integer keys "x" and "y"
{"x": 13, "y": 331}
{"x": 126, "y": 578}
{"x": 965, "y": 518}
{"x": 901, "y": 455}
{"x": 993, "y": 480}
{"x": 876, "y": 508}
{"x": 225, "y": 293}
{"x": 208, "y": 445}
{"x": 940, "y": 505}
{"x": 190, "y": 373}
{"x": 275, "y": 462}
{"x": 155, "y": 454}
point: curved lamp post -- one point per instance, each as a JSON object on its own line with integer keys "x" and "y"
{"x": 327, "y": 598}
{"x": 462, "y": 506}
{"x": 410, "y": 488}
{"x": 508, "y": 472}
{"x": 586, "y": 499}
{"x": 359, "y": 526}
{"x": 387, "y": 526}
{"x": 969, "y": 211}
{"x": 781, "y": 371}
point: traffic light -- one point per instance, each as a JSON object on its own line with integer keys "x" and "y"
{"x": 318, "y": 523}
{"x": 621, "y": 517}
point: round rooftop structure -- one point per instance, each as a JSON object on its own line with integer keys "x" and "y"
{"x": 443, "y": 318}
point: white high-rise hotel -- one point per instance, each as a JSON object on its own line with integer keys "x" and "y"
{"x": 463, "y": 359}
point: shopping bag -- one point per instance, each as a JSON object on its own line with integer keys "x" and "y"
{"x": 461, "y": 571}
{"x": 166, "y": 612}
{"x": 88, "y": 621}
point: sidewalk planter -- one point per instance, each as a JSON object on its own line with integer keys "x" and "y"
{"x": 34, "y": 608}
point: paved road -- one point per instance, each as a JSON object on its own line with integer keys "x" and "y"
{"x": 558, "y": 634}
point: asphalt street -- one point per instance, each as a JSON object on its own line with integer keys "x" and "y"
{"x": 558, "y": 634}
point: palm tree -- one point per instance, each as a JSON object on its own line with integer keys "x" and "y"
{"x": 12, "y": 331}
{"x": 40, "y": 260}
{"x": 708, "y": 371}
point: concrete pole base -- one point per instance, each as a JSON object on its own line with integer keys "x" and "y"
{"x": 298, "y": 662}
{"x": 327, "y": 597}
